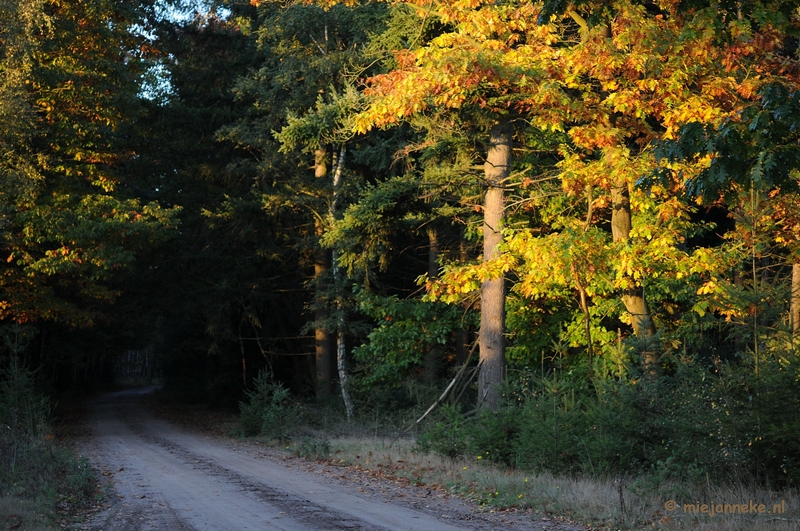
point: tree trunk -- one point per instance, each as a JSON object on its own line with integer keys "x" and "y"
{"x": 322, "y": 339}
{"x": 341, "y": 347}
{"x": 794, "y": 311}
{"x": 587, "y": 323}
{"x": 633, "y": 298}
{"x": 431, "y": 361}
{"x": 321, "y": 263}
{"x": 462, "y": 335}
{"x": 493, "y": 293}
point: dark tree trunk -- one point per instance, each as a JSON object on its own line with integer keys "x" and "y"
{"x": 323, "y": 362}
{"x": 434, "y": 352}
{"x": 794, "y": 311}
{"x": 322, "y": 339}
{"x": 462, "y": 335}
{"x": 493, "y": 293}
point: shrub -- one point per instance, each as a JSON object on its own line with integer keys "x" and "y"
{"x": 268, "y": 410}
{"x": 23, "y": 417}
{"x": 32, "y": 466}
{"x": 697, "y": 422}
{"x": 448, "y": 436}
{"x": 313, "y": 448}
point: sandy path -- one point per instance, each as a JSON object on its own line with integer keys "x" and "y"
{"x": 168, "y": 478}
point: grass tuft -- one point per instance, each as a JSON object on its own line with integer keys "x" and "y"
{"x": 23, "y": 513}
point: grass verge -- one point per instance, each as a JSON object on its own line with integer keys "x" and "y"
{"x": 603, "y": 504}
{"x": 43, "y": 483}
{"x": 24, "y": 513}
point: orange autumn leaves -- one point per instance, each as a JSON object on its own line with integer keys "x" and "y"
{"x": 635, "y": 79}
{"x": 613, "y": 86}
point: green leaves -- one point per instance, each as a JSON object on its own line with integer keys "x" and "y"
{"x": 325, "y": 124}
{"x": 759, "y": 147}
{"x": 67, "y": 98}
{"x": 93, "y": 233}
{"x": 364, "y": 236}
{"x": 405, "y": 331}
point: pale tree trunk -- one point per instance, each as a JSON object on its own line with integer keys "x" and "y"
{"x": 322, "y": 338}
{"x": 493, "y": 293}
{"x": 431, "y": 361}
{"x": 341, "y": 347}
{"x": 633, "y": 299}
{"x": 794, "y": 310}
{"x": 433, "y": 254}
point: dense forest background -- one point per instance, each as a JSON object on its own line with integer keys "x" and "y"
{"x": 583, "y": 216}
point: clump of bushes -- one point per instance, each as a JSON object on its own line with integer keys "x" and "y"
{"x": 268, "y": 411}
{"x": 34, "y": 470}
{"x": 313, "y": 448}
{"x": 691, "y": 423}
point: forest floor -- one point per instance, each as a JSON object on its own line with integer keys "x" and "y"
{"x": 177, "y": 468}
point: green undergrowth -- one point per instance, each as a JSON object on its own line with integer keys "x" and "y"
{"x": 612, "y": 456}
{"x": 270, "y": 412}
{"x": 41, "y": 479}
{"x": 23, "y": 513}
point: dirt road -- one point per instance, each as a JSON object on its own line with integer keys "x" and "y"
{"x": 168, "y": 478}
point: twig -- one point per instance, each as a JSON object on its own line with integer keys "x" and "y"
{"x": 469, "y": 381}
{"x": 447, "y": 390}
